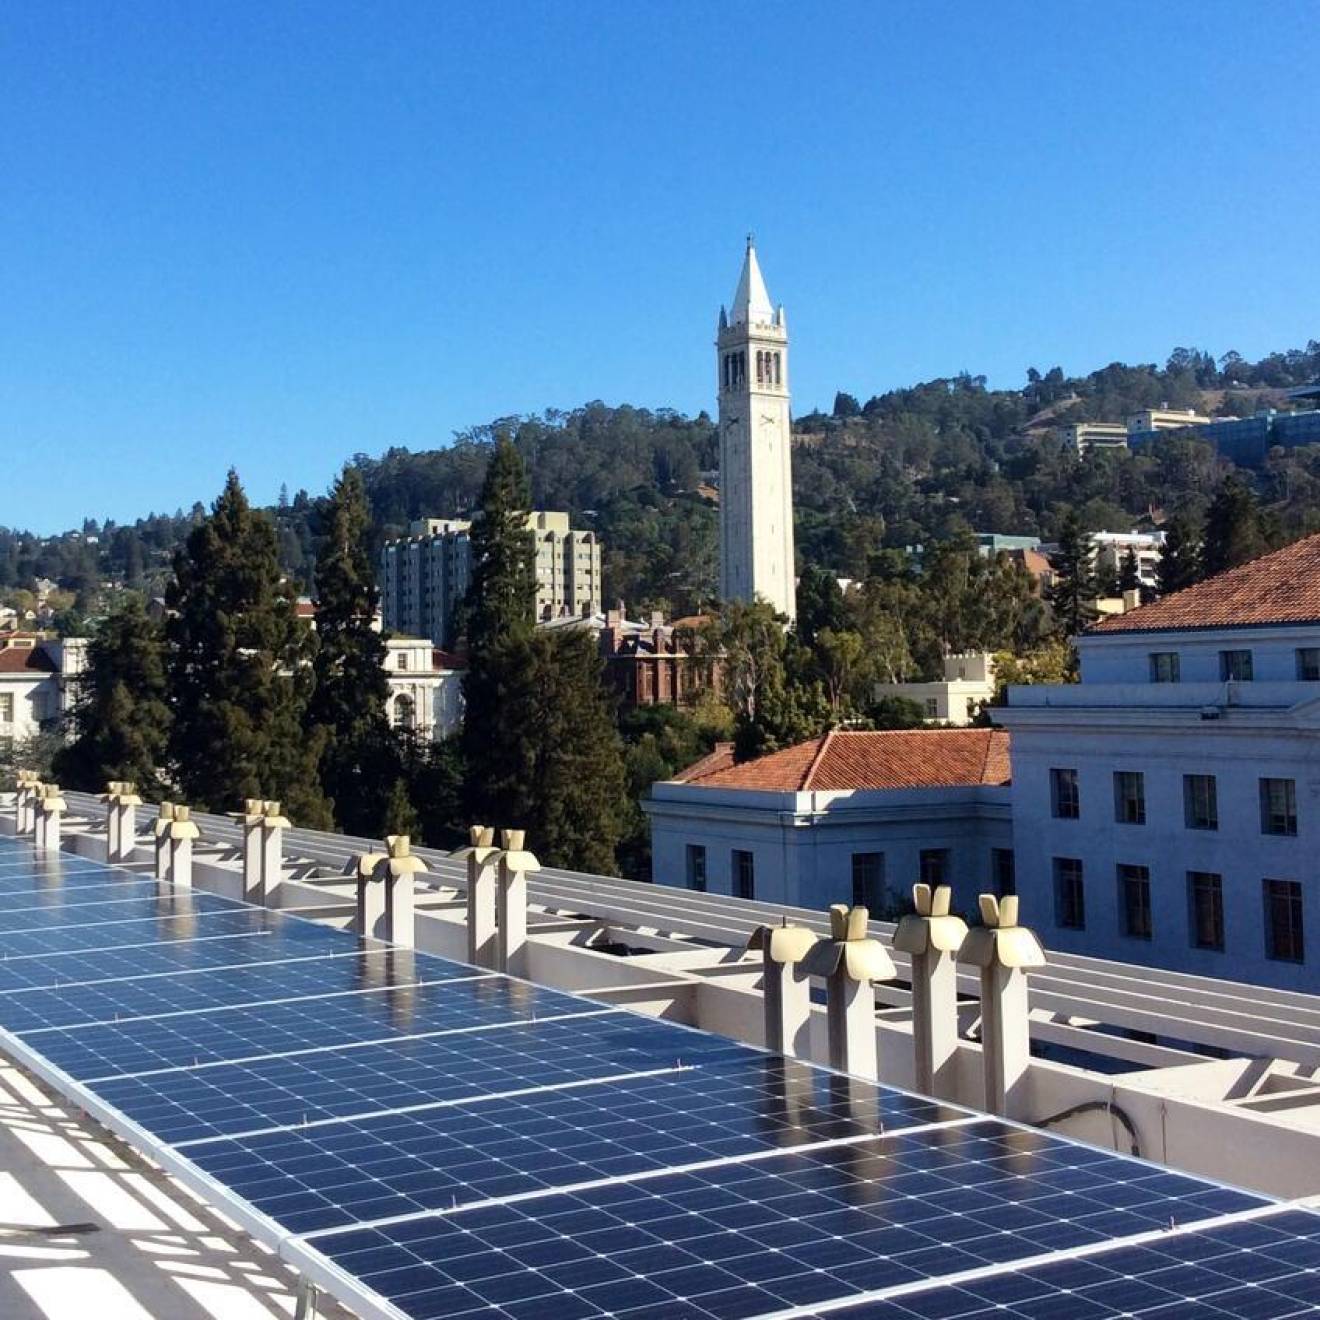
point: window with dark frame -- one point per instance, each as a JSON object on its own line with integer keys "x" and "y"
{"x": 1200, "y": 802}
{"x": 868, "y": 881}
{"x": 1065, "y": 800}
{"x": 1235, "y": 666}
{"x": 1164, "y": 667}
{"x": 1004, "y": 868}
{"x": 696, "y": 867}
{"x": 1283, "y": 921}
{"x": 1134, "y": 901}
{"x": 744, "y": 874}
{"x": 1308, "y": 664}
{"x": 1069, "y": 894}
{"x": 1205, "y": 909}
{"x": 934, "y": 863}
{"x": 1129, "y": 797}
{"x": 1278, "y": 806}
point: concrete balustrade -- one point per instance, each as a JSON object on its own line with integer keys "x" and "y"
{"x": 481, "y": 859}
{"x": 1004, "y": 952}
{"x": 786, "y": 987}
{"x": 931, "y": 936}
{"x": 850, "y": 962}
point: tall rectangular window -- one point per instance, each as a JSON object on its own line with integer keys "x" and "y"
{"x": 696, "y": 867}
{"x": 1283, "y": 921}
{"x": 1069, "y": 894}
{"x": 868, "y": 881}
{"x": 1065, "y": 801}
{"x": 6, "y": 707}
{"x": 1200, "y": 802}
{"x": 1004, "y": 871}
{"x": 1164, "y": 667}
{"x": 1205, "y": 910}
{"x": 934, "y": 863}
{"x": 1235, "y": 666}
{"x": 932, "y": 708}
{"x": 1134, "y": 901}
{"x": 1308, "y": 664}
{"x": 1278, "y": 806}
{"x": 1129, "y": 797}
{"x": 744, "y": 874}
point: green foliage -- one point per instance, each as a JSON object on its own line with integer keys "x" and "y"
{"x": 238, "y": 670}
{"x": 1129, "y": 575}
{"x": 1053, "y": 661}
{"x": 895, "y": 713}
{"x": 501, "y": 602}
{"x": 400, "y": 817}
{"x": 359, "y": 767}
{"x": 1073, "y": 593}
{"x": 1180, "y": 560}
{"x": 1234, "y": 529}
{"x": 435, "y": 775}
{"x": 121, "y": 717}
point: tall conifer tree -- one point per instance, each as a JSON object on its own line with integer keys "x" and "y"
{"x": 121, "y": 719}
{"x": 360, "y": 766}
{"x": 1180, "y": 558}
{"x": 1233, "y": 528}
{"x": 1073, "y": 594}
{"x": 239, "y": 665}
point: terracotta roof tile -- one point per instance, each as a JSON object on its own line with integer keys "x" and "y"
{"x": 25, "y": 660}
{"x": 842, "y": 760}
{"x": 1282, "y": 587}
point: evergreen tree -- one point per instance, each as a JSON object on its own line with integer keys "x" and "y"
{"x": 120, "y": 717}
{"x": 1073, "y": 594}
{"x": 399, "y": 816}
{"x": 539, "y": 741}
{"x": 819, "y": 604}
{"x": 360, "y": 767}
{"x": 1129, "y": 575}
{"x": 239, "y": 669}
{"x": 1180, "y": 559}
{"x": 499, "y": 613}
{"x": 1234, "y": 532}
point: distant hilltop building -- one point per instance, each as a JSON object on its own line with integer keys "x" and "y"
{"x": 425, "y": 575}
{"x": 756, "y": 485}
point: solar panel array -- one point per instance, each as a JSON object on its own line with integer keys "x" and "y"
{"x": 431, "y": 1140}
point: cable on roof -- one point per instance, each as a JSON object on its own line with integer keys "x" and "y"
{"x": 1097, "y": 1106}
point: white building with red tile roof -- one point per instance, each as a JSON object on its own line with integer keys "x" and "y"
{"x": 1166, "y": 808}
{"x": 35, "y": 681}
{"x": 845, "y": 817}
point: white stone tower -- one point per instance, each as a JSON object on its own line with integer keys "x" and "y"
{"x": 756, "y": 488}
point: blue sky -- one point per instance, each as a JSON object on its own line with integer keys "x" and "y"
{"x": 272, "y": 235}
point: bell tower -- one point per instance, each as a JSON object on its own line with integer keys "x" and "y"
{"x": 756, "y": 488}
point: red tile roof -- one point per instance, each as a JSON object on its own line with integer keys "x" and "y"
{"x": 842, "y": 760}
{"x": 25, "y": 660}
{"x": 1282, "y": 587}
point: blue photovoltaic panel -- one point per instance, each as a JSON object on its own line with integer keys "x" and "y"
{"x": 467, "y": 1145}
{"x": 1262, "y": 1267}
{"x": 341, "y": 1173}
{"x": 455, "y": 1063}
{"x": 752, "y": 1238}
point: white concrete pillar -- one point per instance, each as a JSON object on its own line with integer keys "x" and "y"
{"x": 369, "y": 871}
{"x": 511, "y": 903}
{"x": 400, "y": 906}
{"x": 273, "y": 826}
{"x": 1004, "y": 952}
{"x": 932, "y": 938}
{"x": 129, "y": 802}
{"x": 111, "y": 799}
{"x": 850, "y": 962}
{"x": 250, "y": 818}
{"x": 161, "y": 830}
{"x": 38, "y": 825}
{"x": 52, "y": 808}
{"x": 785, "y": 987}
{"x": 482, "y": 859}
{"x": 181, "y": 834}
{"x": 25, "y": 800}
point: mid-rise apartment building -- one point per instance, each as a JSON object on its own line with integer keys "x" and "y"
{"x": 1109, "y": 552}
{"x": 424, "y": 576}
{"x": 1166, "y": 808}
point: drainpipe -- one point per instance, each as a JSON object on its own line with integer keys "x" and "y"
{"x": 932, "y": 938}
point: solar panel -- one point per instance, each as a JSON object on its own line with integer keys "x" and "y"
{"x": 433, "y": 1140}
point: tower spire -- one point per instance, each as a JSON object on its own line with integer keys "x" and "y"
{"x": 751, "y": 303}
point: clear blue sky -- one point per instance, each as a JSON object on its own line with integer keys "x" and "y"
{"x": 271, "y": 235}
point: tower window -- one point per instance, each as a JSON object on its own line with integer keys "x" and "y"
{"x": 778, "y": 379}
